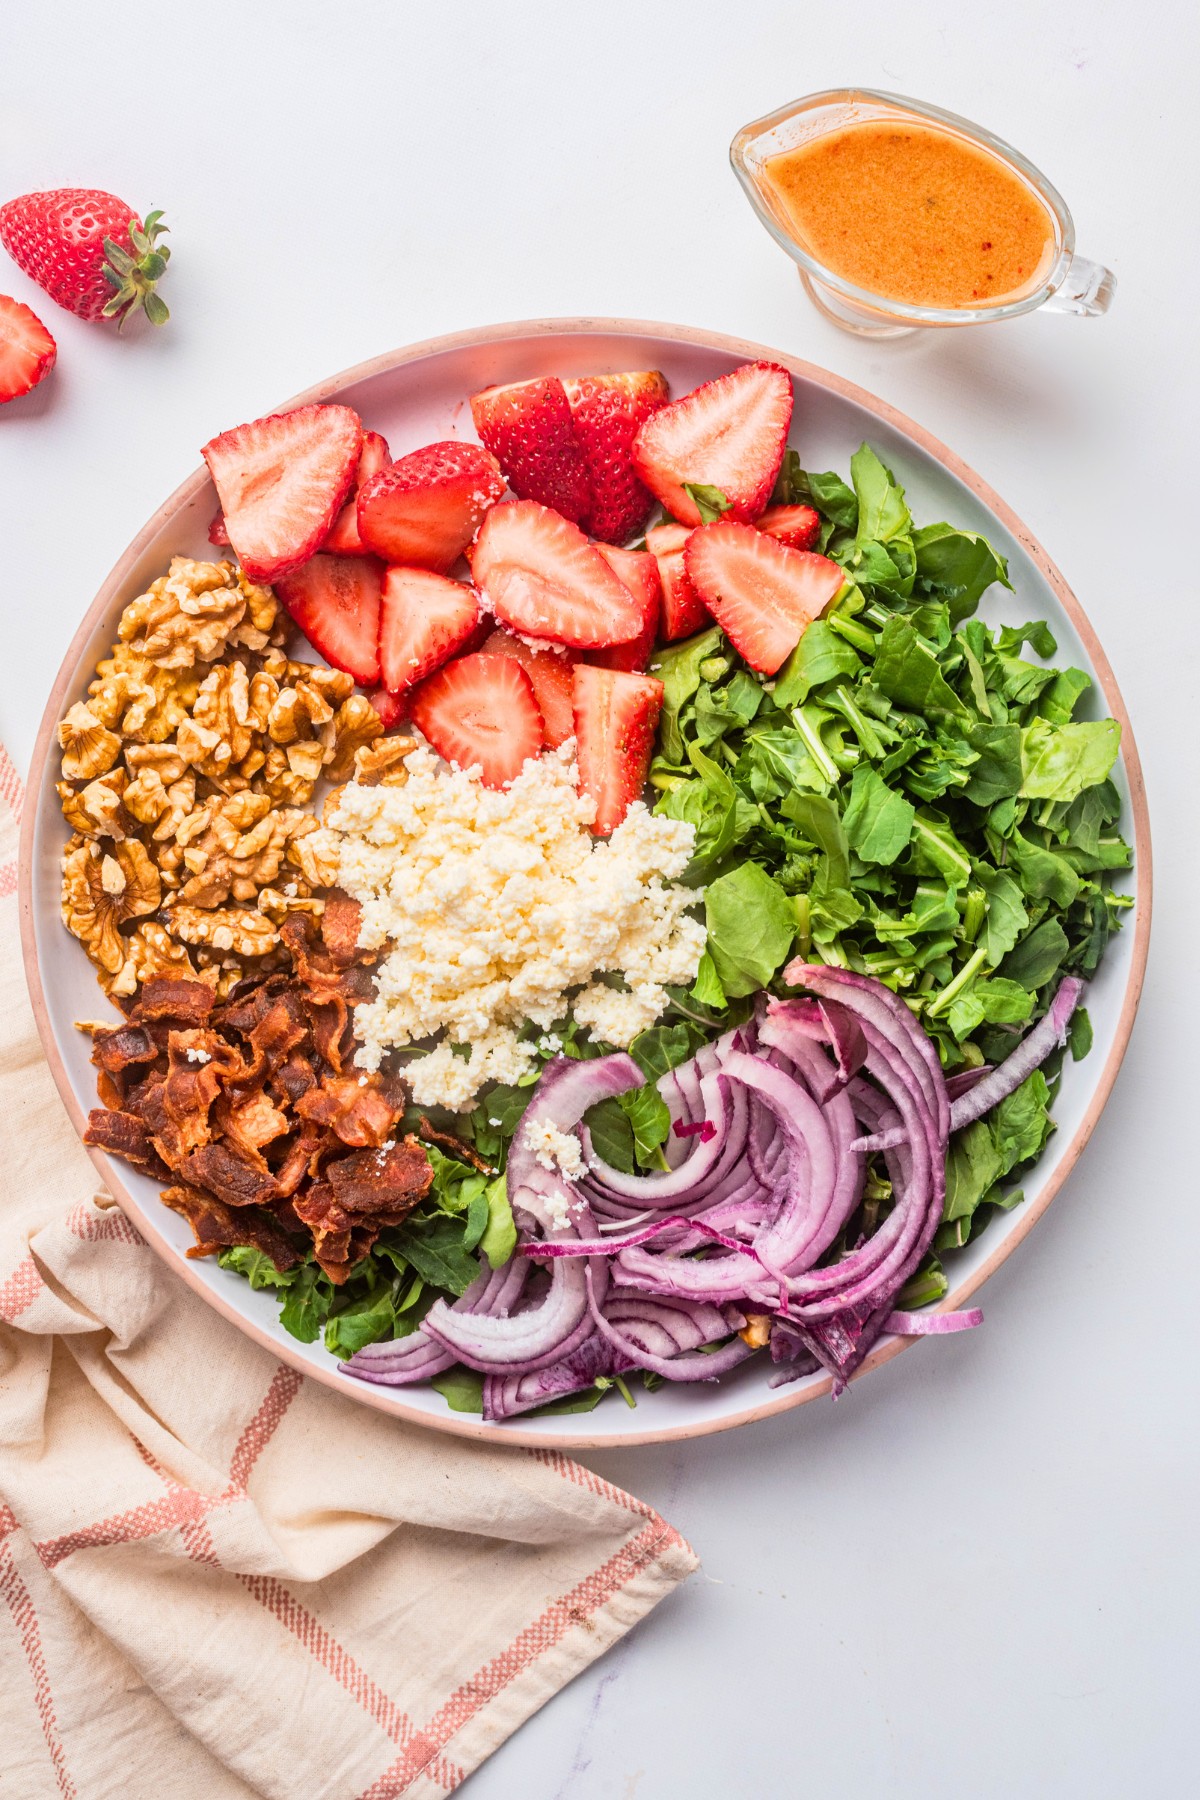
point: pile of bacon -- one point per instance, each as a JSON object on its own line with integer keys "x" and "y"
{"x": 250, "y": 1108}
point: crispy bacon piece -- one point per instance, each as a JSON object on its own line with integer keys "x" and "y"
{"x": 217, "y": 1227}
{"x": 296, "y": 1165}
{"x": 251, "y": 1123}
{"x": 340, "y": 925}
{"x": 361, "y": 1109}
{"x": 122, "y": 1134}
{"x": 162, "y": 997}
{"x": 115, "y": 1051}
{"x": 281, "y": 1029}
{"x": 453, "y": 1146}
{"x": 294, "y": 1078}
{"x": 389, "y": 1180}
{"x": 238, "y": 1178}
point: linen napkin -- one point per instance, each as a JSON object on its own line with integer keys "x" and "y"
{"x": 220, "y": 1579}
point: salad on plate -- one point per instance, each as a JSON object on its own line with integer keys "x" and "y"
{"x": 648, "y": 938}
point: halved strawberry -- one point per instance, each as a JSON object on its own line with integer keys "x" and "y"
{"x": 282, "y": 481}
{"x": 729, "y": 434}
{"x": 683, "y": 611}
{"x": 426, "y": 508}
{"x": 344, "y": 539}
{"x": 761, "y": 594}
{"x": 616, "y": 716}
{"x": 424, "y": 620}
{"x": 480, "y": 711}
{"x": 639, "y": 571}
{"x": 543, "y": 578}
{"x": 217, "y": 533}
{"x": 392, "y": 708}
{"x": 27, "y": 351}
{"x": 606, "y": 411}
{"x": 335, "y": 600}
{"x": 528, "y": 426}
{"x": 550, "y": 672}
{"x": 798, "y": 527}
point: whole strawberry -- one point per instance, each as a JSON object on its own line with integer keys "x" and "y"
{"x": 90, "y": 252}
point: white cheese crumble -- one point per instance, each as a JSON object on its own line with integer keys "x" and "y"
{"x": 494, "y": 904}
{"x": 556, "y": 1150}
{"x": 196, "y": 1055}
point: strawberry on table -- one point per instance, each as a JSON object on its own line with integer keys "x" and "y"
{"x": 527, "y": 426}
{"x": 344, "y": 539}
{"x": 798, "y": 527}
{"x": 424, "y": 510}
{"x": 335, "y": 600}
{"x": 542, "y": 577}
{"x": 550, "y": 672}
{"x": 639, "y": 571}
{"x": 616, "y": 716}
{"x": 89, "y": 251}
{"x": 683, "y": 611}
{"x": 423, "y": 620}
{"x": 729, "y": 434}
{"x": 761, "y": 594}
{"x": 607, "y": 411}
{"x": 480, "y": 711}
{"x": 282, "y": 481}
{"x": 27, "y": 351}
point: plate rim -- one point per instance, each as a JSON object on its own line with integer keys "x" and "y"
{"x": 780, "y": 1400}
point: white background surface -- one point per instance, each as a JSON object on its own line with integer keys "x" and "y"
{"x": 976, "y": 1576}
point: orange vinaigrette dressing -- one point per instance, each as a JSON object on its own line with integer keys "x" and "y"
{"x": 913, "y": 213}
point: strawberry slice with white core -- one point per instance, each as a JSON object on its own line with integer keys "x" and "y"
{"x": 550, "y": 672}
{"x": 527, "y": 425}
{"x": 607, "y": 411}
{"x": 639, "y": 571}
{"x": 335, "y": 600}
{"x": 426, "y": 508}
{"x": 480, "y": 711}
{"x": 282, "y": 481}
{"x": 730, "y": 434}
{"x": 392, "y": 708}
{"x": 27, "y": 351}
{"x": 798, "y": 527}
{"x": 424, "y": 620}
{"x": 616, "y": 716}
{"x": 683, "y": 611}
{"x": 344, "y": 539}
{"x": 761, "y": 594}
{"x": 217, "y": 533}
{"x": 542, "y": 577}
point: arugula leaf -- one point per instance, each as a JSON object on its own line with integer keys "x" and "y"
{"x": 957, "y": 565}
{"x": 460, "y": 1388}
{"x": 499, "y": 1238}
{"x": 1038, "y": 956}
{"x": 882, "y": 513}
{"x": 1059, "y": 761}
{"x": 996, "y": 772}
{"x": 1079, "y": 1035}
{"x": 907, "y": 671}
{"x": 827, "y": 492}
{"x": 750, "y": 924}
{"x": 707, "y": 987}
{"x": 306, "y": 1303}
{"x": 649, "y": 1120}
{"x": 661, "y": 1048}
{"x": 611, "y": 1134}
{"x": 820, "y": 656}
{"x": 678, "y": 668}
{"x": 434, "y": 1247}
{"x": 709, "y": 502}
{"x": 257, "y": 1267}
{"x": 363, "y": 1321}
{"x": 878, "y": 821}
{"x": 1006, "y": 916}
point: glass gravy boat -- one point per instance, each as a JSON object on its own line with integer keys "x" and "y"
{"x": 1065, "y": 282}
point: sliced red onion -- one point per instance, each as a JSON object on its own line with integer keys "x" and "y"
{"x": 504, "y": 1396}
{"x": 965, "y": 1080}
{"x": 697, "y": 1365}
{"x": 874, "y": 1003}
{"x": 1047, "y": 1035}
{"x": 881, "y": 1140}
{"x": 920, "y": 1324}
{"x": 399, "y": 1362}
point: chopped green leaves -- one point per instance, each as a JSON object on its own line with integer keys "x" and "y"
{"x": 751, "y": 925}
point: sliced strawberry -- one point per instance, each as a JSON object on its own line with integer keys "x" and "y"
{"x": 217, "y": 533}
{"x": 550, "y": 672}
{"x": 545, "y": 580}
{"x": 392, "y": 708}
{"x": 639, "y": 571}
{"x": 335, "y": 600}
{"x": 729, "y": 434}
{"x": 423, "y": 621}
{"x": 480, "y": 711}
{"x": 761, "y": 594}
{"x": 282, "y": 481}
{"x": 344, "y": 539}
{"x": 27, "y": 351}
{"x": 606, "y": 411}
{"x": 527, "y": 426}
{"x": 616, "y": 716}
{"x": 798, "y": 527}
{"x": 683, "y": 611}
{"x": 426, "y": 508}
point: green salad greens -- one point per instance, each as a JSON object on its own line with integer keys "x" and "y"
{"x": 911, "y": 796}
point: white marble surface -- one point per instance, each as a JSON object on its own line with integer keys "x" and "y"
{"x": 976, "y": 1575}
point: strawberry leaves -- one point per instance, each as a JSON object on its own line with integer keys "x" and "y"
{"x": 133, "y": 277}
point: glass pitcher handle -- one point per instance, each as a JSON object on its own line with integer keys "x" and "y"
{"x": 1087, "y": 289}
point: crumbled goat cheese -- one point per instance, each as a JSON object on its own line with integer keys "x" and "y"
{"x": 196, "y": 1055}
{"x": 556, "y": 1150}
{"x": 493, "y": 905}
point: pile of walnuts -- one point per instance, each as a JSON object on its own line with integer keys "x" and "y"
{"x": 186, "y": 775}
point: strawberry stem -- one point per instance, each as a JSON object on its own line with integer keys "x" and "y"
{"x": 133, "y": 277}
